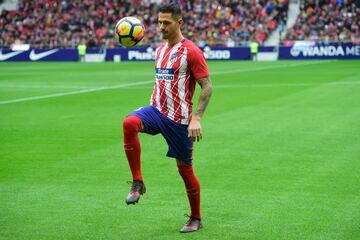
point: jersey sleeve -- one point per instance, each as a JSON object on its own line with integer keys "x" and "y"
{"x": 198, "y": 66}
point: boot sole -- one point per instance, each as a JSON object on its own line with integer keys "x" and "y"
{"x": 200, "y": 227}
{"x": 133, "y": 203}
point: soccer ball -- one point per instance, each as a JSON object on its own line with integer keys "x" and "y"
{"x": 129, "y": 31}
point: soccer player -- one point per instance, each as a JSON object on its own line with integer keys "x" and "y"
{"x": 179, "y": 65}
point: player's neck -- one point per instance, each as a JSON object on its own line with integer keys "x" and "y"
{"x": 179, "y": 37}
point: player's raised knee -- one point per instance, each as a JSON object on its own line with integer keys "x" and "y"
{"x": 132, "y": 124}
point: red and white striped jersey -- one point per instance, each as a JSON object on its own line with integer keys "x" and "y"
{"x": 177, "y": 67}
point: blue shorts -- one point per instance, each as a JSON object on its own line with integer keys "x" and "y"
{"x": 175, "y": 134}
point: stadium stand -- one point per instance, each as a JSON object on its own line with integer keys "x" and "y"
{"x": 63, "y": 24}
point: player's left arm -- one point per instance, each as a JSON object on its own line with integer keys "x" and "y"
{"x": 194, "y": 129}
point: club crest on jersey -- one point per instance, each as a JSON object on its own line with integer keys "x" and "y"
{"x": 173, "y": 58}
{"x": 166, "y": 74}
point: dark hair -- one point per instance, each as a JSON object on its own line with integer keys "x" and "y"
{"x": 171, "y": 7}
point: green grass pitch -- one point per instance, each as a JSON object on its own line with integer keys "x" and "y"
{"x": 280, "y": 157}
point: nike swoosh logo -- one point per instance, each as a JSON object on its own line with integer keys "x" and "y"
{"x": 4, "y": 56}
{"x": 36, "y": 56}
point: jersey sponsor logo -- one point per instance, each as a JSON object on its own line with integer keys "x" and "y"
{"x": 5, "y": 56}
{"x": 166, "y": 74}
{"x": 37, "y": 56}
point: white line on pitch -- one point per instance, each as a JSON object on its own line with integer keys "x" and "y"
{"x": 270, "y": 85}
{"x": 73, "y": 92}
{"x": 146, "y": 82}
{"x": 43, "y": 86}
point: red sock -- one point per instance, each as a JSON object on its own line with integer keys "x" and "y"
{"x": 132, "y": 126}
{"x": 192, "y": 186}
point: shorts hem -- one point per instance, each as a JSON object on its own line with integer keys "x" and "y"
{"x": 188, "y": 161}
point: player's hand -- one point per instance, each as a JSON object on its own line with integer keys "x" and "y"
{"x": 194, "y": 129}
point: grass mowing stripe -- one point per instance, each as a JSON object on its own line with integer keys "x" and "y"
{"x": 270, "y": 67}
{"x": 273, "y": 85}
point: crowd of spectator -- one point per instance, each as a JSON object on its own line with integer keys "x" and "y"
{"x": 327, "y": 21}
{"x": 65, "y": 23}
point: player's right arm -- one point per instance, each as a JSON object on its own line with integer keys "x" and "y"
{"x": 194, "y": 129}
{"x": 205, "y": 94}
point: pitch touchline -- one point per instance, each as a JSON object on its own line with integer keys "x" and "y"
{"x": 283, "y": 85}
{"x": 140, "y": 83}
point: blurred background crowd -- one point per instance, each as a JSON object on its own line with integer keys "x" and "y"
{"x": 327, "y": 21}
{"x": 64, "y": 23}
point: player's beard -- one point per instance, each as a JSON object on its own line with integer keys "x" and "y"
{"x": 165, "y": 35}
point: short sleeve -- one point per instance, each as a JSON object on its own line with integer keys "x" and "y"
{"x": 197, "y": 64}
